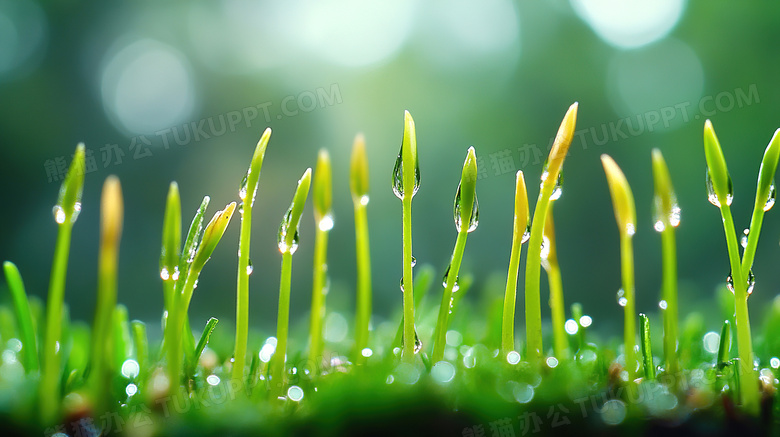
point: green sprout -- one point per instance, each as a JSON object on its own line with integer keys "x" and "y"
{"x": 720, "y": 193}
{"x": 358, "y": 185}
{"x": 322, "y": 194}
{"x": 111, "y": 217}
{"x": 550, "y": 187}
{"x": 466, "y": 212}
{"x": 66, "y": 211}
{"x": 171, "y": 245}
{"x": 625, "y": 215}
{"x": 520, "y": 234}
{"x": 247, "y": 193}
{"x": 667, "y": 218}
{"x": 553, "y": 269}
{"x": 194, "y": 257}
{"x": 406, "y": 182}
{"x": 288, "y": 244}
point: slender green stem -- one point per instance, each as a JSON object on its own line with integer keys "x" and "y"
{"x": 533, "y": 305}
{"x": 510, "y": 296}
{"x": 748, "y": 390}
{"x": 629, "y": 328}
{"x": 551, "y": 265}
{"x": 670, "y": 317}
{"x": 647, "y": 351}
{"x": 282, "y": 323}
{"x": 408, "y": 293}
{"x": 50, "y": 379}
{"x": 242, "y": 294}
{"x": 363, "y": 281}
{"x": 23, "y": 317}
{"x": 175, "y": 331}
{"x": 319, "y": 279}
{"x": 440, "y": 334}
{"x": 141, "y": 345}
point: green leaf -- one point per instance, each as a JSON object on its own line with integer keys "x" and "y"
{"x": 766, "y": 174}
{"x": 171, "y": 240}
{"x": 647, "y": 351}
{"x": 251, "y": 180}
{"x": 204, "y": 339}
{"x": 212, "y": 234}
{"x": 725, "y": 344}
{"x": 23, "y": 316}
{"x": 191, "y": 243}
{"x": 667, "y": 211}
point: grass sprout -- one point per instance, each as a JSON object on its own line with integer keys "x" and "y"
{"x": 322, "y": 195}
{"x": 358, "y": 185}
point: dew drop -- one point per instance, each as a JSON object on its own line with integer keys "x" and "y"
{"x": 558, "y": 190}
{"x": 545, "y": 251}
{"x": 663, "y": 305}
{"x": 249, "y": 267}
{"x": 59, "y": 214}
{"x": 164, "y": 274}
{"x": 326, "y": 223}
{"x": 527, "y": 233}
{"x": 744, "y": 240}
{"x": 284, "y": 228}
{"x": 364, "y": 200}
{"x": 398, "y": 177}
{"x": 242, "y": 189}
{"x": 460, "y": 214}
{"x": 571, "y": 327}
{"x": 712, "y": 196}
{"x": 241, "y": 209}
{"x": 659, "y": 226}
{"x": 621, "y": 298}
{"x": 770, "y": 201}
{"x": 444, "y": 280}
{"x": 414, "y": 261}
{"x": 751, "y": 282}
{"x": 175, "y": 275}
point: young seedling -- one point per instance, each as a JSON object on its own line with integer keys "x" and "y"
{"x": 111, "y": 218}
{"x": 667, "y": 218}
{"x": 548, "y": 188}
{"x": 66, "y": 211}
{"x": 358, "y": 186}
{"x": 466, "y": 214}
{"x": 550, "y": 264}
{"x": 647, "y": 350}
{"x": 625, "y": 215}
{"x": 406, "y": 182}
{"x": 246, "y": 193}
{"x": 322, "y": 193}
{"x": 740, "y": 280}
{"x": 196, "y": 257}
{"x": 23, "y": 317}
{"x": 288, "y": 244}
{"x": 520, "y": 234}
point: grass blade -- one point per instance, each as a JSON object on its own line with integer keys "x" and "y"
{"x": 466, "y": 212}
{"x": 647, "y": 350}
{"x": 520, "y": 234}
{"x": 204, "y": 339}
{"x": 23, "y": 317}
{"x": 625, "y": 215}
{"x": 322, "y": 192}
{"x": 288, "y": 244}
{"x": 65, "y": 214}
{"x": 171, "y": 244}
{"x": 358, "y": 184}
{"x": 551, "y": 265}
{"x": 533, "y": 306}
{"x": 247, "y": 193}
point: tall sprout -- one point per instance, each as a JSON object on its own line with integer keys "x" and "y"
{"x": 406, "y": 182}
{"x": 288, "y": 244}
{"x": 548, "y": 188}
{"x": 625, "y": 215}
{"x": 358, "y": 186}
{"x": 322, "y": 193}
{"x": 466, "y": 215}
{"x": 520, "y": 234}
{"x": 667, "y": 218}
{"x": 66, "y": 211}
{"x": 246, "y": 193}
{"x": 553, "y": 268}
{"x": 111, "y": 218}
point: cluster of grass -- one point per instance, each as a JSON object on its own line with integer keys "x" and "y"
{"x": 440, "y": 363}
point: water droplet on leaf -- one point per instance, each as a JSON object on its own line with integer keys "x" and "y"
{"x": 713, "y": 197}
{"x": 398, "y": 177}
{"x": 460, "y": 214}
{"x": 621, "y": 298}
{"x": 770, "y": 201}
{"x": 249, "y": 267}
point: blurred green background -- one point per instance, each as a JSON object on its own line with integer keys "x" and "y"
{"x": 182, "y": 90}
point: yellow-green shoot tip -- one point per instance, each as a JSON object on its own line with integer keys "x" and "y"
{"x": 622, "y": 197}
{"x": 522, "y": 210}
{"x": 718, "y": 173}
{"x": 358, "y": 170}
{"x": 69, "y": 201}
{"x": 212, "y": 234}
{"x": 322, "y": 190}
{"x": 111, "y": 210}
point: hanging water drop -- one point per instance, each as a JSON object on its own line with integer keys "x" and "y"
{"x": 459, "y": 213}
{"x": 402, "y": 285}
{"x": 414, "y": 261}
{"x": 527, "y": 233}
{"x": 164, "y": 274}
{"x": 558, "y": 189}
{"x": 770, "y": 201}
{"x": 284, "y": 228}
{"x": 326, "y": 223}
{"x": 242, "y": 189}
{"x": 751, "y": 282}
{"x": 663, "y": 305}
{"x": 446, "y": 277}
{"x": 241, "y": 209}
{"x": 249, "y": 267}
{"x": 674, "y": 217}
{"x": 59, "y": 214}
{"x": 713, "y": 197}
{"x": 417, "y": 343}
{"x": 175, "y": 275}
{"x": 398, "y": 177}
{"x": 730, "y": 283}
{"x": 545, "y": 251}
{"x": 621, "y": 298}
{"x": 744, "y": 240}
